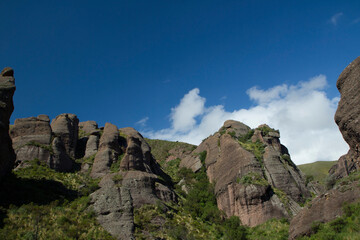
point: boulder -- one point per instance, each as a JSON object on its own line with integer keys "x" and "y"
{"x": 31, "y": 138}
{"x": 347, "y": 117}
{"x": 60, "y": 160}
{"x": 7, "y": 89}
{"x": 65, "y": 126}
{"x": 92, "y": 145}
{"x": 88, "y": 127}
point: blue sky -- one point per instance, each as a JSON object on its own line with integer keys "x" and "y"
{"x": 127, "y": 61}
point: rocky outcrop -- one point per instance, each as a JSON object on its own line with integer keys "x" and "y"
{"x": 7, "y": 89}
{"x": 323, "y": 208}
{"x": 347, "y": 117}
{"x": 328, "y": 206}
{"x": 134, "y": 183}
{"x": 89, "y": 136}
{"x": 109, "y": 151}
{"x": 65, "y": 126}
{"x": 31, "y": 138}
{"x": 254, "y": 176}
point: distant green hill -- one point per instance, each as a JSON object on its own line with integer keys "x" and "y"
{"x": 319, "y": 170}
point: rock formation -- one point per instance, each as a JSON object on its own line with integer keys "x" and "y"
{"x": 347, "y": 117}
{"x": 7, "y": 89}
{"x": 328, "y": 206}
{"x": 65, "y": 126}
{"x": 253, "y": 174}
{"x": 129, "y": 179}
{"x": 31, "y": 139}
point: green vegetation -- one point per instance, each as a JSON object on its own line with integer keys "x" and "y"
{"x": 345, "y": 227}
{"x": 257, "y": 148}
{"x": 160, "y": 148}
{"x": 246, "y": 137}
{"x": 265, "y": 130}
{"x": 48, "y": 205}
{"x": 318, "y": 170}
{"x": 43, "y": 146}
{"x": 171, "y": 168}
{"x": 82, "y": 133}
{"x": 115, "y": 166}
{"x": 253, "y": 178}
{"x": 274, "y": 229}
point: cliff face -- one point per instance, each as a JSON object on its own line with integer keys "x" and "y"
{"x": 328, "y": 206}
{"x": 254, "y": 176}
{"x": 130, "y": 178}
{"x": 7, "y": 89}
{"x": 347, "y": 117}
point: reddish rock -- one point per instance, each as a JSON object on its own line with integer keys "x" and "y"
{"x": 227, "y": 163}
{"x": 323, "y": 208}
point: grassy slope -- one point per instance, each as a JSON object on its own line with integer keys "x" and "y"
{"x": 160, "y": 148}
{"x": 319, "y": 170}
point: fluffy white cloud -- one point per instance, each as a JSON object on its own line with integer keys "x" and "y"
{"x": 303, "y": 114}
{"x": 142, "y": 122}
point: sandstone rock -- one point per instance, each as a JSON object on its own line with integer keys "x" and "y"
{"x": 7, "y": 89}
{"x": 137, "y": 182}
{"x": 347, "y": 117}
{"x": 109, "y": 151}
{"x": 65, "y": 126}
{"x": 31, "y": 139}
{"x": 228, "y": 162}
{"x": 323, "y": 208}
{"x": 138, "y": 153}
{"x": 92, "y": 145}
{"x": 60, "y": 160}
{"x": 89, "y": 127}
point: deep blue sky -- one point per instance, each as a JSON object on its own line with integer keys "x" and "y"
{"x": 121, "y": 61}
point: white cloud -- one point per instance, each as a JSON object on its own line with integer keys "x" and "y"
{"x": 142, "y": 122}
{"x": 303, "y": 114}
{"x": 335, "y": 18}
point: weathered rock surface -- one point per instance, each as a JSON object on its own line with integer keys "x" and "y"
{"x": 31, "y": 138}
{"x": 347, "y": 117}
{"x": 88, "y": 127}
{"x": 136, "y": 183}
{"x": 60, "y": 160}
{"x": 65, "y": 126}
{"x": 323, "y": 208}
{"x": 328, "y": 206}
{"x": 7, "y": 89}
{"x": 109, "y": 151}
{"x": 228, "y": 163}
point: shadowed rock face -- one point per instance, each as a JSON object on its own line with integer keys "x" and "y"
{"x": 228, "y": 163}
{"x": 135, "y": 184}
{"x": 31, "y": 139}
{"x": 7, "y": 89}
{"x": 347, "y": 117}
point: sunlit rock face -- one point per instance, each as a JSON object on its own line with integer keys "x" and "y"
{"x": 254, "y": 176}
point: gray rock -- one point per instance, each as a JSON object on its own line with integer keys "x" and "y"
{"x": 31, "y": 139}
{"x": 89, "y": 127}
{"x": 65, "y": 126}
{"x": 7, "y": 89}
{"x": 60, "y": 160}
{"x": 92, "y": 145}
{"x": 109, "y": 151}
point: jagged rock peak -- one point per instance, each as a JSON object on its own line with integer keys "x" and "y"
{"x": 7, "y": 89}
{"x": 250, "y": 168}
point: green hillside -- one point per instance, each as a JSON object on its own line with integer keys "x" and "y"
{"x": 318, "y": 170}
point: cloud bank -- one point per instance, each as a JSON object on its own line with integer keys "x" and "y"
{"x": 302, "y": 112}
